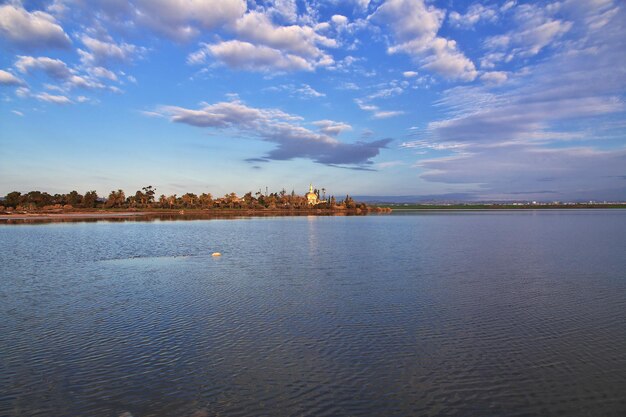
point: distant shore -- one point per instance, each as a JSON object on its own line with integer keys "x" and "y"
{"x": 414, "y": 207}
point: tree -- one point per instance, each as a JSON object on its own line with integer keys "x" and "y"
{"x": 90, "y": 199}
{"x": 206, "y": 200}
{"x": 12, "y": 199}
{"x": 36, "y": 199}
{"x": 148, "y": 194}
{"x": 189, "y": 200}
{"x": 162, "y": 201}
{"x": 171, "y": 200}
{"x": 116, "y": 199}
{"x": 73, "y": 198}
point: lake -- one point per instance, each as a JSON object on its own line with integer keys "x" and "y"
{"x": 506, "y": 313}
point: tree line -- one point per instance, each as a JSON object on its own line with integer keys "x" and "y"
{"x": 147, "y": 198}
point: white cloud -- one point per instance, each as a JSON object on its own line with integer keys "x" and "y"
{"x": 22, "y": 92}
{"x": 308, "y": 91}
{"x": 54, "y": 68}
{"x": 302, "y": 41}
{"x": 536, "y": 135}
{"x": 180, "y": 19}
{"x": 377, "y": 113}
{"x": 415, "y": 26}
{"x": 286, "y": 10}
{"x": 6, "y": 78}
{"x": 103, "y": 52}
{"x": 385, "y": 114}
{"x": 475, "y": 13}
{"x": 494, "y": 77}
{"x": 386, "y": 93}
{"x": 31, "y": 30}
{"x": 303, "y": 91}
{"x": 84, "y": 82}
{"x": 536, "y": 29}
{"x": 269, "y": 46}
{"x": 53, "y": 98}
{"x": 339, "y": 20}
{"x": 17, "y": 113}
{"x": 448, "y": 61}
{"x": 247, "y": 56}
{"x": 490, "y": 60}
{"x": 410, "y": 74}
{"x": 280, "y": 128}
{"x": 332, "y": 128}
{"x": 414, "y": 23}
{"x": 102, "y": 72}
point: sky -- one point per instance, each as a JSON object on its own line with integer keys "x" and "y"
{"x": 486, "y": 100}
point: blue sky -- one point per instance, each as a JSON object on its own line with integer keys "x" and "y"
{"x": 508, "y": 99}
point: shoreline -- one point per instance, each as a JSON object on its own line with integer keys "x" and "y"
{"x": 176, "y": 214}
{"x": 226, "y": 214}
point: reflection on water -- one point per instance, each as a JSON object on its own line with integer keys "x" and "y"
{"x": 112, "y": 218}
{"x": 498, "y": 314}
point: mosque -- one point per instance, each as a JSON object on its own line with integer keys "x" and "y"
{"x": 313, "y": 196}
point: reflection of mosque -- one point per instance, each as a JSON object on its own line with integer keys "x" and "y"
{"x": 313, "y": 196}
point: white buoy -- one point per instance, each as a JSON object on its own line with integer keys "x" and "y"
{"x": 216, "y": 254}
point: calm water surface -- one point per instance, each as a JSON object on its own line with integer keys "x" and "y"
{"x": 468, "y": 314}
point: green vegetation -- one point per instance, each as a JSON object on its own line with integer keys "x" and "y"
{"x": 146, "y": 199}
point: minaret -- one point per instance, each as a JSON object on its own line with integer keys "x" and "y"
{"x": 310, "y": 188}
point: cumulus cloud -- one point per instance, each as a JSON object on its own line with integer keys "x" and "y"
{"x": 339, "y": 20}
{"x": 54, "y": 68}
{"x": 103, "y": 52}
{"x": 286, "y": 10}
{"x": 181, "y": 20}
{"x": 6, "y": 78}
{"x": 31, "y": 30}
{"x": 247, "y": 56}
{"x": 415, "y": 26}
{"x": 257, "y": 27}
{"x": 275, "y": 126}
{"x": 263, "y": 46}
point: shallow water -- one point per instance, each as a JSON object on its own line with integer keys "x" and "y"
{"x": 454, "y": 313}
